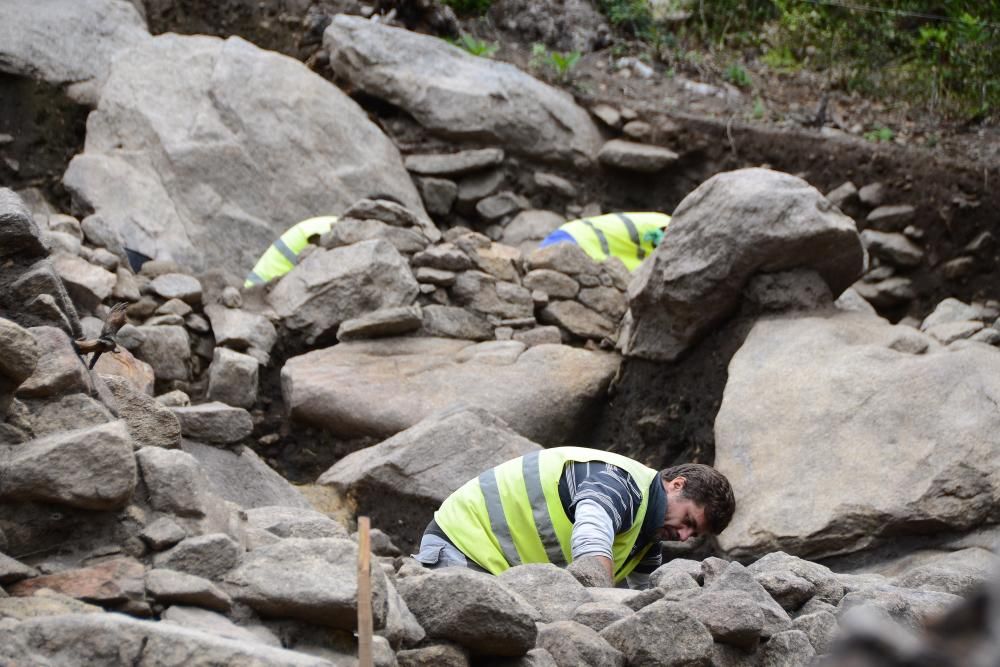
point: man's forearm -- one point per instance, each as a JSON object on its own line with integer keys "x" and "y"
{"x": 594, "y": 571}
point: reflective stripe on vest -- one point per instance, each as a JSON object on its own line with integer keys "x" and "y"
{"x": 623, "y": 235}
{"x": 512, "y": 513}
{"x": 283, "y": 254}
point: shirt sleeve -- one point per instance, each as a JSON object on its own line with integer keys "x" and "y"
{"x": 593, "y": 531}
{"x": 614, "y": 490}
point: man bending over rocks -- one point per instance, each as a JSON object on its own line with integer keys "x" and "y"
{"x": 601, "y": 513}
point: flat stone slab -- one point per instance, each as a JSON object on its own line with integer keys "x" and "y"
{"x": 453, "y": 164}
{"x": 631, "y": 156}
{"x": 379, "y": 388}
{"x": 214, "y": 422}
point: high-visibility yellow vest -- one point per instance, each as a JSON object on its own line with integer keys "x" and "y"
{"x": 631, "y": 237}
{"x": 512, "y": 514}
{"x": 283, "y": 254}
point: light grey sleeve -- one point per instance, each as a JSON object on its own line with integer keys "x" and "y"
{"x": 593, "y": 531}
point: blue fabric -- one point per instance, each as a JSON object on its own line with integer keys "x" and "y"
{"x": 558, "y": 236}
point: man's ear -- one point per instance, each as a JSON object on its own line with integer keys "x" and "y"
{"x": 676, "y": 484}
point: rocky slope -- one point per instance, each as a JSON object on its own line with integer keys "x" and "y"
{"x": 432, "y": 337}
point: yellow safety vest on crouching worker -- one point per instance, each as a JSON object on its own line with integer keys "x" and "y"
{"x": 631, "y": 237}
{"x": 283, "y": 254}
{"x": 512, "y": 514}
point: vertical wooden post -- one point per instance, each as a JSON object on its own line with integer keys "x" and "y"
{"x": 365, "y": 624}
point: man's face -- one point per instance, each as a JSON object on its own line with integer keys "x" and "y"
{"x": 684, "y": 517}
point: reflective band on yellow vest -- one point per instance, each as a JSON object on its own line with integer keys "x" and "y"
{"x": 283, "y": 254}
{"x": 512, "y": 514}
{"x": 623, "y": 235}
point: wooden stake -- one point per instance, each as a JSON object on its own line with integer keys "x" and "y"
{"x": 365, "y": 623}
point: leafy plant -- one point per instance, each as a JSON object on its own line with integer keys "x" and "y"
{"x": 559, "y": 63}
{"x": 476, "y": 7}
{"x": 880, "y": 135}
{"x": 758, "y": 108}
{"x": 476, "y": 47}
{"x": 633, "y": 16}
{"x": 781, "y": 59}
{"x": 737, "y": 75}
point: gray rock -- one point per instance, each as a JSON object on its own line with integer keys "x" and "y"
{"x": 214, "y": 422}
{"x": 92, "y": 468}
{"x": 891, "y": 217}
{"x": 568, "y": 258}
{"x": 555, "y": 284}
{"x": 790, "y": 648}
{"x": 607, "y": 301}
{"x": 472, "y": 609}
{"x": 844, "y": 194}
{"x": 539, "y": 336}
{"x": 167, "y": 349}
{"x": 89, "y": 285}
{"x": 309, "y": 580}
{"x": 948, "y": 311}
{"x": 571, "y": 643}
{"x": 415, "y": 470}
{"x": 242, "y": 330}
{"x": 232, "y": 378}
{"x": 799, "y": 289}
{"x": 171, "y": 587}
{"x": 599, "y": 615}
{"x": 553, "y": 591}
{"x": 608, "y": 115}
{"x": 872, "y": 194}
{"x": 189, "y": 90}
{"x": 456, "y": 94}
{"x": 18, "y": 232}
{"x": 529, "y": 227}
{"x": 453, "y": 164}
{"x": 438, "y": 194}
{"x": 68, "y": 42}
{"x": 892, "y": 247}
{"x": 426, "y": 274}
{"x": 331, "y": 286}
{"x": 68, "y": 412}
{"x": 435, "y": 655}
{"x": 474, "y": 187}
{"x": 401, "y": 626}
{"x": 19, "y": 354}
{"x": 501, "y": 205}
{"x": 116, "y": 638}
{"x": 732, "y": 616}
{"x": 556, "y": 184}
{"x": 416, "y": 377}
{"x": 174, "y": 481}
{"x": 380, "y": 323}
{"x": 445, "y": 256}
{"x": 735, "y": 577}
{"x": 59, "y": 242}
{"x": 959, "y": 573}
{"x": 294, "y": 522}
{"x": 950, "y": 332}
{"x": 209, "y": 556}
{"x": 886, "y": 293}
{"x": 453, "y": 322}
{"x": 674, "y": 300}
{"x": 661, "y": 634}
{"x": 826, "y": 586}
{"x": 485, "y": 294}
{"x": 177, "y": 286}
{"x": 958, "y": 268}
{"x": 631, "y": 156}
{"x": 350, "y": 231}
{"x": 692, "y": 568}
{"x": 577, "y": 319}
{"x": 938, "y": 443}
{"x": 58, "y": 370}
{"x": 240, "y": 476}
{"x": 162, "y": 534}
{"x": 820, "y": 627}
{"x": 212, "y": 623}
{"x": 12, "y": 570}
{"x": 851, "y": 301}
{"x": 149, "y": 423}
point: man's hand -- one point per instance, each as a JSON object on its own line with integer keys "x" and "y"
{"x": 592, "y": 571}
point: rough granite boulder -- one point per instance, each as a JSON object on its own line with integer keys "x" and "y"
{"x": 185, "y": 123}
{"x": 730, "y": 227}
{"x": 835, "y": 379}
{"x": 67, "y": 42}
{"x": 553, "y": 591}
{"x": 401, "y": 481}
{"x": 458, "y": 95}
{"x": 547, "y": 393}
{"x": 663, "y": 634}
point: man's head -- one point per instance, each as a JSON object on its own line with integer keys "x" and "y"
{"x": 699, "y": 501}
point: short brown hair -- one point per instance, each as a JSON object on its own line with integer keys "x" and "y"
{"x": 707, "y": 487}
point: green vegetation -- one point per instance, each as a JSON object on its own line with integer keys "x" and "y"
{"x": 561, "y": 64}
{"x": 940, "y": 55}
{"x": 736, "y": 75}
{"x": 475, "y": 7}
{"x": 476, "y": 47}
{"x": 880, "y": 135}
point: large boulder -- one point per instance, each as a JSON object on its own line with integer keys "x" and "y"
{"x": 730, "y": 227}
{"x": 19, "y": 234}
{"x": 67, "y": 42}
{"x": 403, "y": 480}
{"x": 92, "y": 468}
{"x": 459, "y": 95}
{"x": 331, "y": 286}
{"x": 547, "y": 393}
{"x": 107, "y": 639}
{"x": 809, "y": 398}
{"x": 187, "y": 155}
